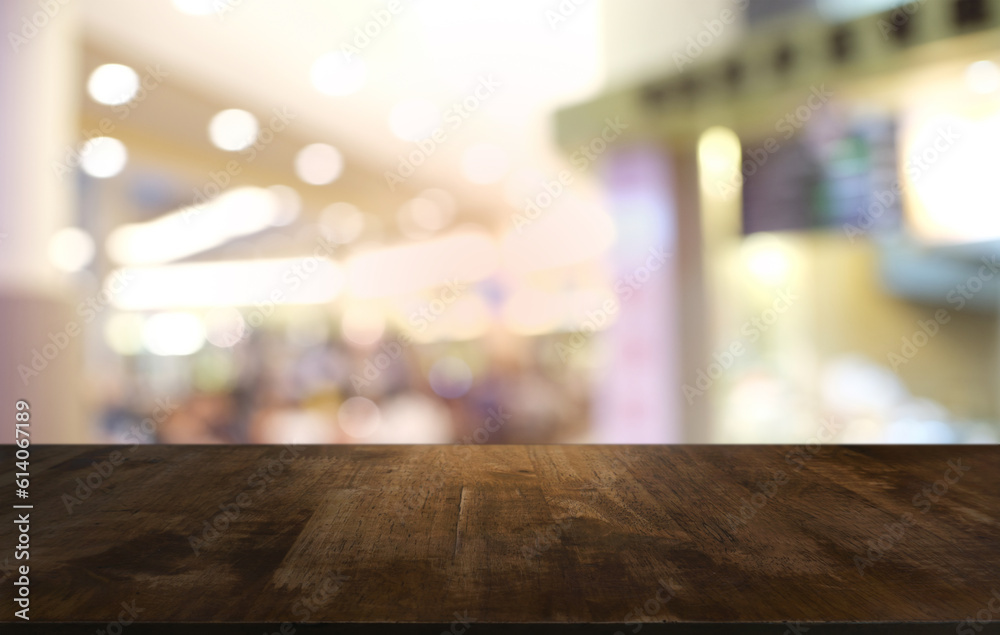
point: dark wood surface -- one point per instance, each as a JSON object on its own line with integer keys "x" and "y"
{"x": 514, "y": 534}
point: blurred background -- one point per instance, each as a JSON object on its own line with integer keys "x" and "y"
{"x": 530, "y": 221}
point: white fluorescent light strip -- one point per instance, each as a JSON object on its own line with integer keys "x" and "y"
{"x": 260, "y": 283}
{"x": 191, "y": 230}
{"x": 462, "y": 256}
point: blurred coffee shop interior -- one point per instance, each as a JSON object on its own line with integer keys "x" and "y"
{"x": 455, "y": 221}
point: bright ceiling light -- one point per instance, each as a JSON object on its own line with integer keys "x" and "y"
{"x": 71, "y": 249}
{"x": 234, "y": 283}
{"x": 341, "y": 222}
{"x": 334, "y": 74}
{"x": 982, "y": 77}
{"x": 103, "y": 157}
{"x": 238, "y": 212}
{"x": 173, "y": 334}
{"x": 233, "y": 130}
{"x": 319, "y": 164}
{"x": 458, "y": 257}
{"x": 113, "y": 84}
{"x": 414, "y": 119}
{"x": 484, "y": 163}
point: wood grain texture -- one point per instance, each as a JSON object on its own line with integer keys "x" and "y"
{"x": 514, "y": 534}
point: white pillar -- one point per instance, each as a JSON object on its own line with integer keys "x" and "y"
{"x": 38, "y": 121}
{"x": 637, "y": 393}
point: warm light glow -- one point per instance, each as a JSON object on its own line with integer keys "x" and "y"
{"x": 983, "y": 77}
{"x": 237, "y": 212}
{"x": 362, "y": 324}
{"x": 534, "y": 312}
{"x": 719, "y": 156}
{"x": 225, "y": 326}
{"x": 462, "y": 255}
{"x": 319, "y": 164}
{"x": 175, "y": 333}
{"x": 289, "y": 205}
{"x": 113, "y": 84}
{"x": 767, "y": 258}
{"x": 484, "y": 163}
{"x": 948, "y": 171}
{"x": 359, "y": 417}
{"x": 334, "y": 74}
{"x": 467, "y": 318}
{"x": 538, "y": 241}
{"x": 414, "y": 119}
{"x": 103, "y": 157}
{"x": 420, "y": 217}
{"x": 248, "y": 283}
{"x": 71, "y": 249}
{"x": 233, "y": 130}
{"x": 341, "y": 222}
{"x": 195, "y": 7}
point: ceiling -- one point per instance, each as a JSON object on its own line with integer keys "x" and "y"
{"x": 257, "y": 55}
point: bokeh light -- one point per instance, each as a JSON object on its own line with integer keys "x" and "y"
{"x": 450, "y": 377}
{"x": 113, "y": 84}
{"x": 103, "y": 157}
{"x": 233, "y": 130}
{"x": 319, "y": 164}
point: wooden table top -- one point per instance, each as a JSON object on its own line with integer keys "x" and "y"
{"x": 682, "y": 539}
